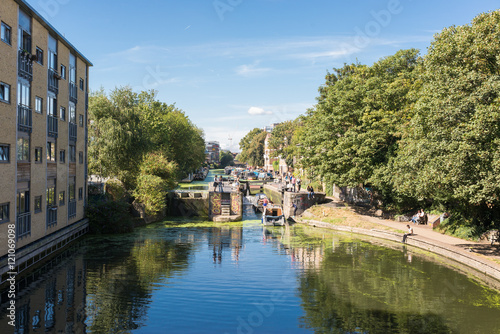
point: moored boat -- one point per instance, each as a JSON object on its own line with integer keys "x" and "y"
{"x": 273, "y": 215}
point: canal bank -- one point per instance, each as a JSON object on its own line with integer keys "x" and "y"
{"x": 480, "y": 256}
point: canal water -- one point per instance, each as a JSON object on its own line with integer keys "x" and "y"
{"x": 184, "y": 276}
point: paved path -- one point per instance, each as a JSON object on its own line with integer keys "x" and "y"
{"x": 479, "y": 255}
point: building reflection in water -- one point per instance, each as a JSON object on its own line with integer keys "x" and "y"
{"x": 225, "y": 238}
{"x": 50, "y": 299}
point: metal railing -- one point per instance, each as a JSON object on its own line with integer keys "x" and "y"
{"x": 72, "y": 209}
{"x": 53, "y": 81}
{"x": 23, "y": 225}
{"x": 51, "y": 216}
{"x": 24, "y": 118}
{"x": 73, "y": 92}
{"x": 73, "y": 128}
{"x": 52, "y": 126}
{"x": 25, "y": 65}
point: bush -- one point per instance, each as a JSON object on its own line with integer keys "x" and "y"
{"x": 109, "y": 217}
{"x": 151, "y": 191}
{"x": 158, "y": 165}
{"x": 115, "y": 190}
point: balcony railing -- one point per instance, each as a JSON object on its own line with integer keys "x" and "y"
{"x": 25, "y": 65}
{"x": 73, "y": 128}
{"x": 24, "y": 118}
{"x": 51, "y": 216}
{"x": 53, "y": 81}
{"x": 23, "y": 225}
{"x": 52, "y": 126}
{"x": 72, "y": 209}
{"x": 73, "y": 91}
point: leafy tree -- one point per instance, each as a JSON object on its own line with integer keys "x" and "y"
{"x": 282, "y": 140}
{"x": 252, "y": 147}
{"x": 450, "y": 152}
{"x": 226, "y": 159}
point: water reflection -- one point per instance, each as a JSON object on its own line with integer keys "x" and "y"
{"x": 226, "y": 279}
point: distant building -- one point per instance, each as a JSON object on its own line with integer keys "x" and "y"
{"x": 43, "y": 142}
{"x": 212, "y": 152}
{"x": 268, "y": 159}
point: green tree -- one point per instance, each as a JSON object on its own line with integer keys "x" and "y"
{"x": 226, "y": 159}
{"x": 282, "y": 141}
{"x": 252, "y": 147}
{"x": 450, "y": 152}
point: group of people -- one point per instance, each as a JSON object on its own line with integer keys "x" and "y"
{"x": 418, "y": 217}
{"x": 291, "y": 182}
{"x": 218, "y": 184}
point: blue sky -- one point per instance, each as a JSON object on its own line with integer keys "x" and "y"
{"x": 233, "y": 65}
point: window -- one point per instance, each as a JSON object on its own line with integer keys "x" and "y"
{"x": 51, "y": 106}
{"x": 80, "y": 194}
{"x": 71, "y": 189}
{"x": 38, "y": 155}
{"x": 24, "y": 93}
{"x": 51, "y": 151}
{"x": 38, "y": 204}
{"x": 72, "y": 113}
{"x": 81, "y": 84}
{"x": 72, "y": 68}
{"x": 51, "y": 196}
{"x": 23, "y": 149}
{"x": 38, "y": 105}
{"x": 23, "y": 202}
{"x": 63, "y": 72}
{"x": 80, "y": 157}
{"x": 80, "y": 120}
{"x": 24, "y": 32}
{"x": 6, "y": 34}
{"x": 4, "y": 212}
{"x": 4, "y": 92}
{"x": 4, "y": 153}
{"x": 62, "y": 156}
{"x": 72, "y": 153}
{"x": 61, "y": 198}
{"x": 39, "y": 55}
{"x": 52, "y": 54}
{"x": 62, "y": 114}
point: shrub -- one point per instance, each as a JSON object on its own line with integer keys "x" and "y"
{"x": 158, "y": 165}
{"x": 115, "y": 190}
{"x": 151, "y": 191}
{"x": 108, "y": 217}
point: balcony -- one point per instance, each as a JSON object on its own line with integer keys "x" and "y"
{"x": 23, "y": 225}
{"x": 52, "y": 126}
{"x": 71, "y": 209}
{"x": 73, "y": 92}
{"x": 51, "y": 216}
{"x": 25, "y": 65}
{"x": 54, "y": 81}
{"x": 24, "y": 118}
{"x": 72, "y": 131}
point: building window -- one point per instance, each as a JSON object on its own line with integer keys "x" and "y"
{"x": 4, "y": 92}
{"x": 38, "y": 204}
{"x": 38, "y": 105}
{"x": 63, "y": 72}
{"x": 71, "y": 189}
{"x": 23, "y": 202}
{"x": 72, "y": 153}
{"x": 4, "y": 153}
{"x": 6, "y": 34}
{"x": 62, "y": 114}
{"x": 80, "y": 194}
{"x": 81, "y": 84}
{"x": 62, "y": 156}
{"x": 80, "y": 157}
{"x": 51, "y": 151}
{"x": 4, "y": 213}
{"x": 51, "y": 196}
{"x": 61, "y": 198}
{"x": 23, "y": 149}
{"x": 72, "y": 113}
{"x": 80, "y": 120}
{"x": 39, "y": 55}
{"x": 38, "y": 155}
{"x": 51, "y": 105}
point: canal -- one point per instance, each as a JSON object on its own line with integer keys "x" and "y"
{"x": 186, "y": 276}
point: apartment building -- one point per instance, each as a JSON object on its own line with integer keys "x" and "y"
{"x": 43, "y": 137}
{"x": 212, "y": 152}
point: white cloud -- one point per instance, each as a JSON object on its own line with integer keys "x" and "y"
{"x": 258, "y": 111}
{"x": 251, "y": 70}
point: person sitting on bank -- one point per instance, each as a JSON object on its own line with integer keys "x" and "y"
{"x": 410, "y": 232}
{"x": 415, "y": 217}
{"x": 310, "y": 192}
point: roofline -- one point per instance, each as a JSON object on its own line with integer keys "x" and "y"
{"x": 27, "y": 7}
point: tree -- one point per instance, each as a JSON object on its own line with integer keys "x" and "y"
{"x": 450, "y": 152}
{"x": 282, "y": 140}
{"x": 226, "y": 159}
{"x": 252, "y": 147}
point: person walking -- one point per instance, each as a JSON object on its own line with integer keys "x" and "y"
{"x": 216, "y": 183}
{"x": 299, "y": 182}
{"x": 294, "y": 181}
